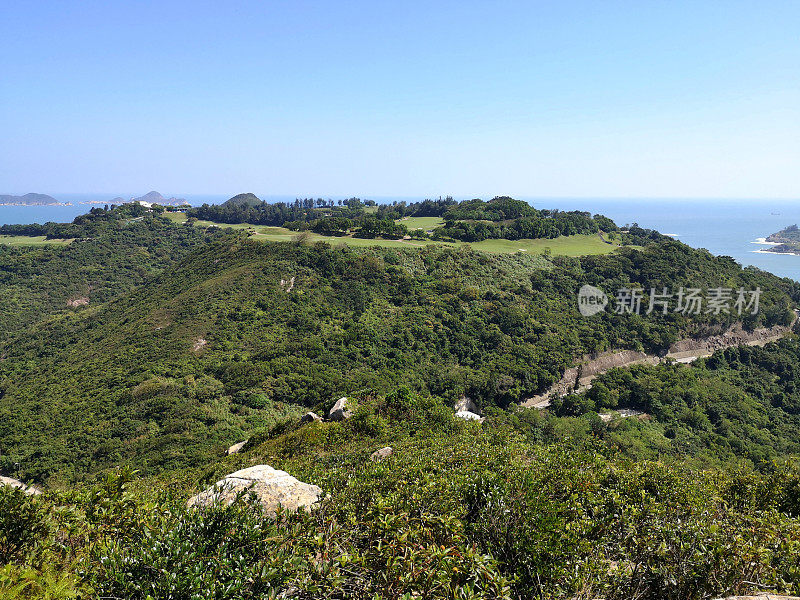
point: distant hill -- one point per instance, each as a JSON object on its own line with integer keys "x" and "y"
{"x": 156, "y": 198}
{"x": 29, "y": 200}
{"x": 788, "y": 240}
{"x": 787, "y": 235}
{"x": 247, "y": 199}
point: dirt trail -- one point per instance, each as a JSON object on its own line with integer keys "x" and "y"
{"x": 579, "y": 378}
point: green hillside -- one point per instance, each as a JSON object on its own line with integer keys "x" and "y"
{"x": 241, "y": 333}
{"x": 459, "y": 510}
{"x": 111, "y": 252}
{"x": 673, "y": 481}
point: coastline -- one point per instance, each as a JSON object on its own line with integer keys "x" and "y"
{"x": 773, "y": 252}
{"x": 763, "y": 242}
{"x": 773, "y": 249}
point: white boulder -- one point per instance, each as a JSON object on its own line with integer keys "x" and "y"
{"x": 272, "y": 487}
{"x": 469, "y": 416}
{"x": 236, "y": 447}
{"x": 341, "y": 410}
{"x": 466, "y": 404}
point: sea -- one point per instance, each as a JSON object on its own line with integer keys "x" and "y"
{"x": 734, "y": 228}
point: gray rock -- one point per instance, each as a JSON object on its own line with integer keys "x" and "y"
{"x": 381, "y": 454}
{"x": 273, "y": 488}
{"x": 310, "y": 417}
{"x": 469, "y": 416}
{"x": 15, "y": 483}
{"x": 236, "y": 447}
{"x": 341, "y": 410}
{"x": 466, "y": 404}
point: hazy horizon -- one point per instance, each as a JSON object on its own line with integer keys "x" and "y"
{"x": 414, "y": 197}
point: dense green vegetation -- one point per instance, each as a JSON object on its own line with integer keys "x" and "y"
{"x": 468, "y": 221}
{"x": 247, "y": 199}
{"x": 506, "y": 218}
{"x": 741, "y": 402}
{"x": 196, "y": 338}
{"x": 459, "y": 511}
{"x": 241, "y": 332}
{"x": 247, "y": 208}
{"x": 112, "y": 252}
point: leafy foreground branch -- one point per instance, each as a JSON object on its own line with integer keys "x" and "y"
{"x": 460, "y": 510}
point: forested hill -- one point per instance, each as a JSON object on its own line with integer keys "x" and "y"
{"x": 111, "y": 252}
{"x": 239, "y": 334}
{"x": 468, "y": 221}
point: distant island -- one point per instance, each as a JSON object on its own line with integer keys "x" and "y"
{"x": 119, "y": 200}
{"x": 156, "y": 198}
{"x": 30, "y": 200}
{"x": 148, "y": 199}
{"x": 787, "y": 240}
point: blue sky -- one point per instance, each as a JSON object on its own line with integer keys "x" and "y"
{"x": 596, "y": 99}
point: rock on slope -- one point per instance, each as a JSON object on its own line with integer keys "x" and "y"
{"x": 31, "y": 491}
{"x": 271, "y": 487}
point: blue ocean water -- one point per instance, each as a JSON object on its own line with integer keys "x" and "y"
{"x": 724, "y": 227}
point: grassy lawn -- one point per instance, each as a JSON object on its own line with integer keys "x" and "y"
{"x": 279, "y": 234}
{"x": 176, "y": 217}
{"x": 31, "y": 240}
{"x": 275, "y": 234}
{"x": 573, "y": 245}
{"x": 424, "y": 223}
{"x": 228, "y": 225}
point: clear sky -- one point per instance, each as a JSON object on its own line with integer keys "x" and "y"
{"x": 604, "y": 98}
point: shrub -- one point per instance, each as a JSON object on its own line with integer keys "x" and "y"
{"x": 23, "y": 524}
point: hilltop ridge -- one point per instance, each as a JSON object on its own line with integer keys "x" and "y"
{"x": 246, "y": 199}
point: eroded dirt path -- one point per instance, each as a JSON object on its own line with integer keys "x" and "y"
{"x": 580, "y": 377}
